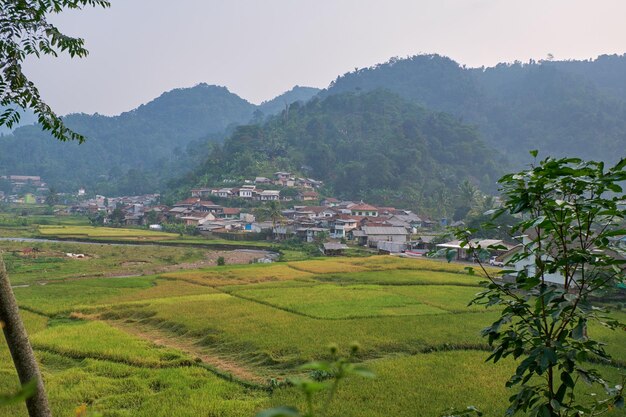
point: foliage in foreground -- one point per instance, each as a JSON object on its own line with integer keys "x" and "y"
{"x": 568, "y": 212}
{"x": 336, "y": 370}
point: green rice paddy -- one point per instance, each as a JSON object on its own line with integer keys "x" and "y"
{"x": 206, "y": 342}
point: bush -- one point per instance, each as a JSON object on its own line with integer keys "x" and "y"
{"x": 221, "y": 261}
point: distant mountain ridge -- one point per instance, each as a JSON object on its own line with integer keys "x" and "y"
{"x": 558, "y": 107}
{"x": 374, "y": 146}
{"x": 136, "y": 151}
{"x": 562, "y": 108}
{"x": 280, "y": 103}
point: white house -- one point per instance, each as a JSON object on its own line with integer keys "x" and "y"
{"x": 247, "y": 191}
{"x": 528, "y": 264}
{"x": 386, "y": 233}
{"x": 269, "y": 195}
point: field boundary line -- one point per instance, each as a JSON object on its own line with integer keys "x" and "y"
{"x": 214, "y": 364}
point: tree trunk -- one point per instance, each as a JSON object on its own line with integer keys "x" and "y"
{"x": 19, "y": 346}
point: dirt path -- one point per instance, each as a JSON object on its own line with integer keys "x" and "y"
{"x": 162, "y": 339}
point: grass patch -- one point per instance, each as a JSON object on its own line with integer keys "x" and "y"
{"x": 98, "y": 340}
{"x": 268, "y": 338}
{"x": 239, "y": 275}
{"x": 92, "y": 232}
{"x": 426, "y": 385}
{"x": 119, "y": 390}
{"x": 332, "y": 302}
{"x": 64, "y": 297}
{"x": 401, "y": 277}
{"x": 51, "y": 263}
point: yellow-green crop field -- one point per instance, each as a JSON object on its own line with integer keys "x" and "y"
{"x": 103, "y": 232}
{"x": 207, "y": 342}
{"x": 127, "y": 235}
{"x": 30, "y": 262}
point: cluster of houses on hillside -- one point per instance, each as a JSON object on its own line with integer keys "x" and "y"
{"x": 134, "y": 208}
{"x": 386, "y": 228}
{"x": 23, "y": 189}
{"x": 260, "y": 189}
{"x": 365, "y": 224}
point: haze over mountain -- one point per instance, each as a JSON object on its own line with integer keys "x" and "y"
{"x": 280, "y": 103}
{"x": 137, "y": 150}
{"x": 556, "y": 107}
{"x": 374, "y": 146}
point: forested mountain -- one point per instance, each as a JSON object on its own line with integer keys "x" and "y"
{"x": 573, "y": 108}
{"x": 374, "y": 146}
{"x": 557, "y": 107}
{"x": 134, "y": 152}
{"x": 608, "y": 72}
{"x": 280, "y": 103}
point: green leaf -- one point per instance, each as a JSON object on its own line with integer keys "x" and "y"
{"x": 578, "y": 332}
{"x": 27, "y": 391}
{"x": 317, "y": 366}
{"x": 566, "y": 378}
{"x": 450, "y": 255}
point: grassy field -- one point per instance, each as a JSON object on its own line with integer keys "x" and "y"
{"x": 91, "y": 232}
{"x": 136, "y": 235}
{"x": 203, "y": 342}
{"x": 29, "y": 262}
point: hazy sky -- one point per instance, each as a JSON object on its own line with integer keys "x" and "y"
{"x": 261, "y": 48}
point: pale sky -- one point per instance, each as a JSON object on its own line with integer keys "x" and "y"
{"x": 261, "y": 48}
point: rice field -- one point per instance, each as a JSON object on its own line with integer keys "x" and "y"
{"x": 30, "y": 262}
{"x": 183, "y": 343}
{"x": 91, "y": 232}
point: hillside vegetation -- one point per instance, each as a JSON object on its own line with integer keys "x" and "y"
{"x": 136, "y": 151}
{"x": 374, "y": 146}
{"x": 557, "y": 107}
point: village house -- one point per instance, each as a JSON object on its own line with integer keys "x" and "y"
{"x": 247, "y": 191}
{"x": 334, "y": 249}
{"x": 223, "y": 192}
{"x": 363, "y": 209}
{"x": 285, "y": 179}
{"x": 201, "y": 192}
{"x": 262, "y": 180}
{"x": 230, "y": 213}
{"x": 269, "y": 195}
{"x": 330, "y": 202}
{"x": 197, "y": 218}
{"x": 309, "y": 234}
{"x": 384, "y": 233}
{"x": 464, "y": 252}
{"x": 341, "y": 225}
{"x": 309, "y": 196}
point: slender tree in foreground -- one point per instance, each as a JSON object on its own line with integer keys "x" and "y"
{"x": 568, "y": 211}
{"x": 25, "y": 31}
{"x": 19, "y": 346}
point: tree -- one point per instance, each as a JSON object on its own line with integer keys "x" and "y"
{"x": 52, "y": 198}
{"x": 270, "y": 211}
{"x": 568, "y": 210}
{"x": 25, "y": 31}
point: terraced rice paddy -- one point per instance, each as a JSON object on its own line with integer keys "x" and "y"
{"x": 205, "y": 342}
{"x": 103, "y": 232}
